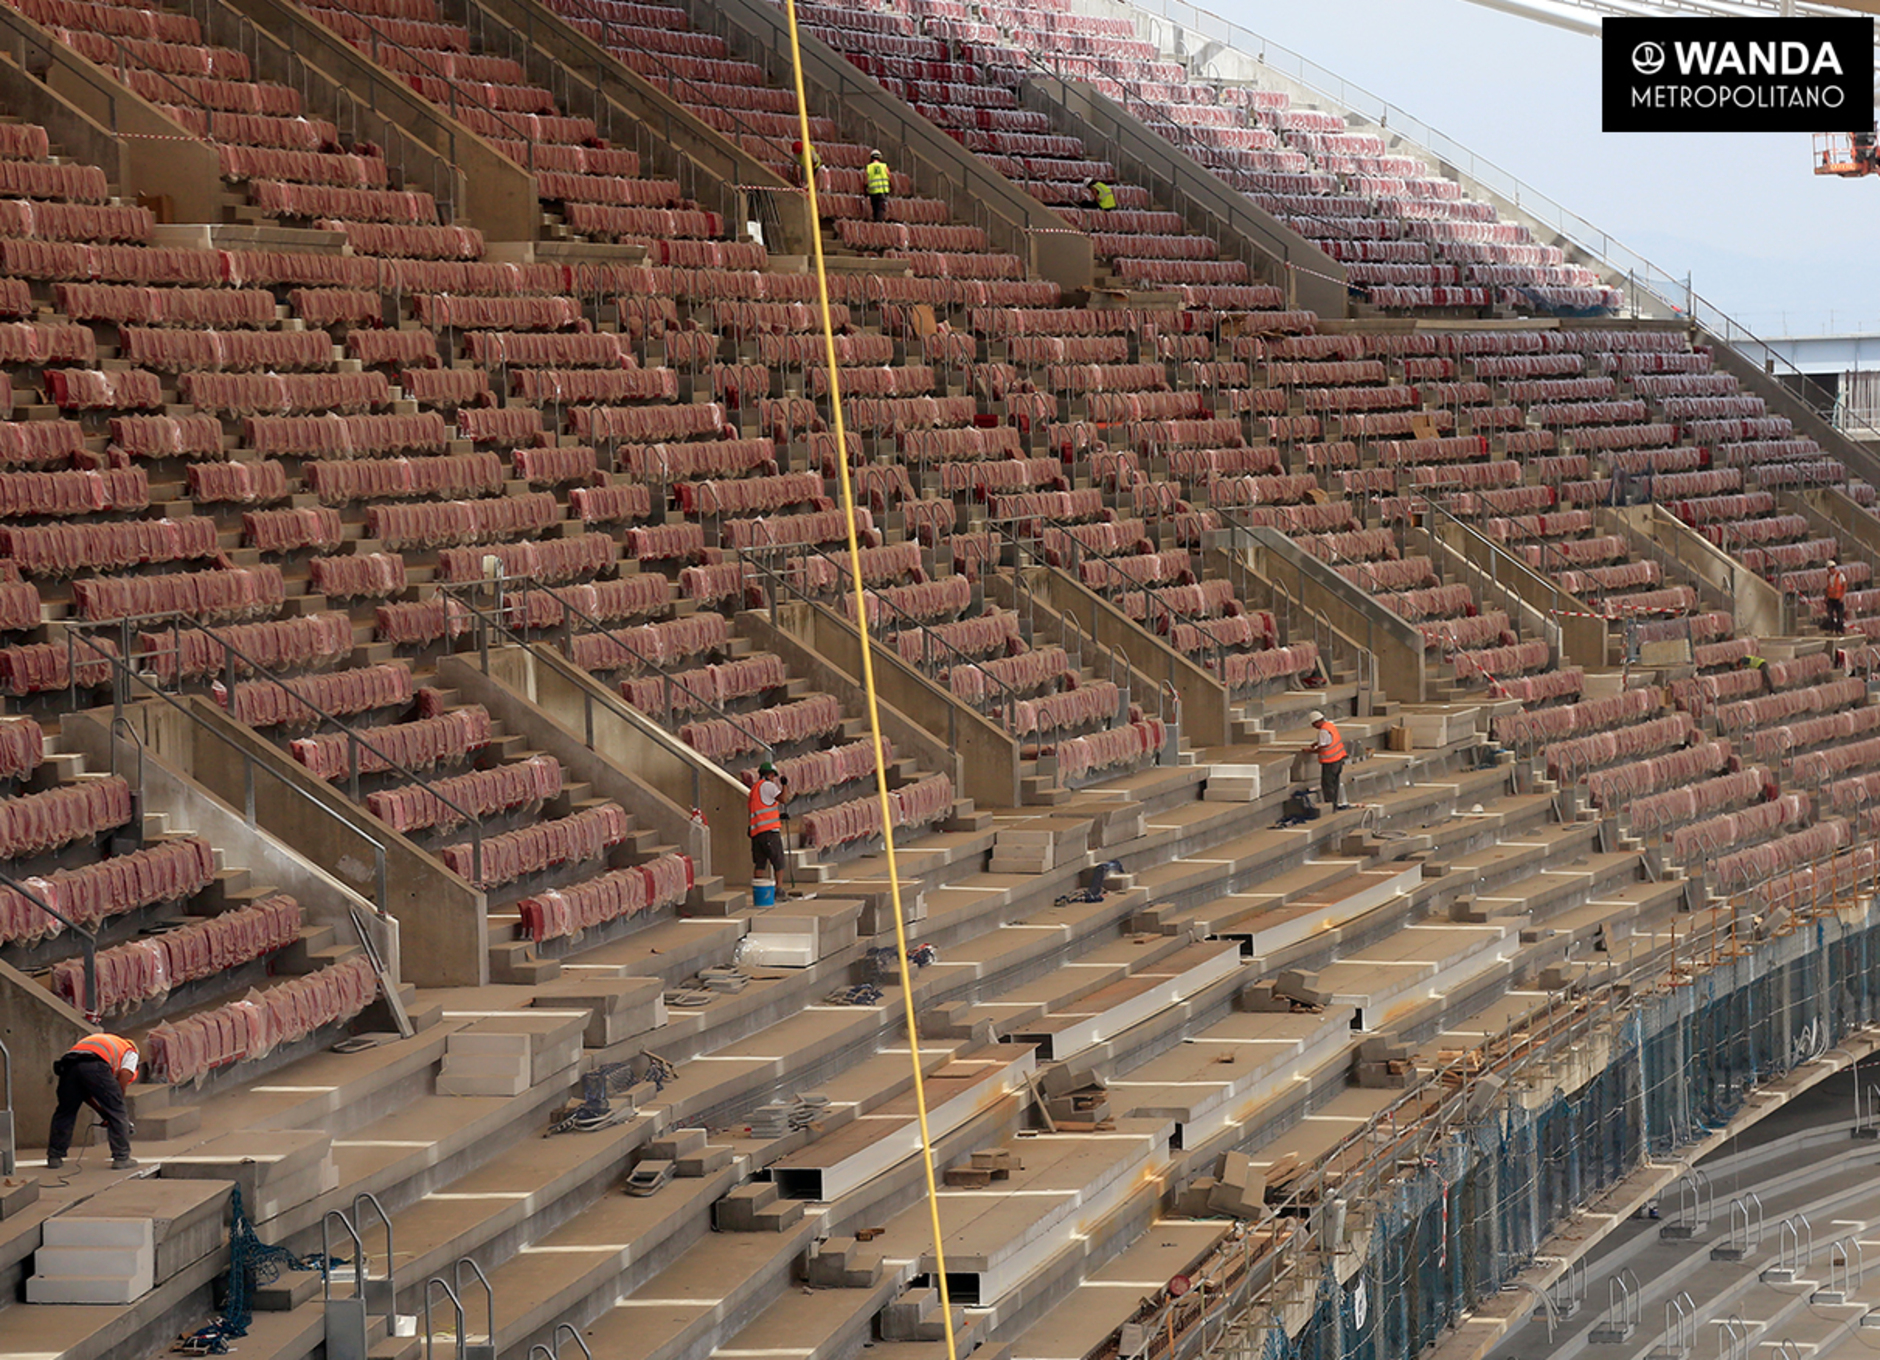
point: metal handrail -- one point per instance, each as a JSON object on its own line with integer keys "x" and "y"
{"x": 25, "y": 31}
{"x": 124, "y": 674}
{"x": 1067, "y": 620}
{"x": 487, "y": 618}
{"x": 861, "y": 624}
{"x": 1499, "y": 554}
{"x": 445, "y": 176}
{"x": 378, "y": 38}
{"x": 1251, "y": 227}
{"x": 356, "y": 741}
{"x": 580, "y": 8}
{"x": 87, "y": 943}
{"x": 431, "y": 1285}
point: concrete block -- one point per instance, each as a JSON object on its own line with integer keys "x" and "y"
{"x": 677, "y": 1143}
{"x": 483, "y": 1084}
{"x": 188, "y": 1218}
{"x": 1233, "y": 784}
{"x": 1063, "y": 1078}
{"x": 92, "y": 1289}
{"x": 128, "y": 1261}
{"x": 703, "y": 1163}
{"x": 131, "y": 1234}
{"x": 1297, "y": 985}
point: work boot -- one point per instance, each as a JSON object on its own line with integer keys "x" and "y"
{"x": 123, "y": 1163}
{"x": 54, "y": 1163}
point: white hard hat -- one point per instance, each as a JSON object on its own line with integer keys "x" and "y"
{"x": 1317, "y": 717}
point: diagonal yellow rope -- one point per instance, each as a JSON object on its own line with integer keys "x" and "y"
{"x": 806, "y": 163}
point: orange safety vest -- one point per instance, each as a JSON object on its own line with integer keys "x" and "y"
{"x": 1335, "y": 752}
{"x": 107, "y": 1046}
{"x": 1837, "y": 584}
{"x": 764, "y": 816}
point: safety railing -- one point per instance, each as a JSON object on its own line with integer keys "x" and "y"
{"x": 88, "y": 948}
{"x": 757, "y": 31}
{"x": 274, "y": 52}
{"x": 235, "y": 662}
{"x": 1325, "y": 635}
{"x": 1252, "y": 238}
{"x": 33, "y": 50}
{"x": 1004, "y": 697}
{"x": 1502, "y": 562}
{"x": 761, "y": 197}
{"x": 495, "y": 620}
{"x": 378, "y": 41}
{"x": 125, "y": 675}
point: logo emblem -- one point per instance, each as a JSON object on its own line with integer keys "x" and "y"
{"x": 1648, "y": 59}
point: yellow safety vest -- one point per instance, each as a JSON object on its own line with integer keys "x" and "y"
{"x": 878, "y": 181}
{"x": 1106, "y": 196}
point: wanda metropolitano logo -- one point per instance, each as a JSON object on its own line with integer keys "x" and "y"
{"x": 1737, "y": 75}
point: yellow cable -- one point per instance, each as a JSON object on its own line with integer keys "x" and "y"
{"x": 806, "y": 163}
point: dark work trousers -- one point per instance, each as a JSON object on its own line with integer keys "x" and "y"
{"x": 767, "y": 853}
{"x": 1329, "y": 775}
{"x": 1837, "y": 616}
{"x": 878, "y": 204}
{"x": 85, "y": 1079}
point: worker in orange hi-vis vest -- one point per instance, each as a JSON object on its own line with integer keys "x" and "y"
{"x": 768, "y": 795}
{"x": 95, "y": 1071}
{"x": 1330, "y": 748}
{"x": 1837, "y": 597}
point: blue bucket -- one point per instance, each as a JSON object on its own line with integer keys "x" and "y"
{"x": 763, "y": 894}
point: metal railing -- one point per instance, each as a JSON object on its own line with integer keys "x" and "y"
{"x": 578, "y": 12}
{"x": 1252, "y": 233}
{"x": 841, "y": 92}
{"x": 1563, "y": 603}
{"x": 125, "y": 674}
{"x": 274, "y": 54}
{"x": 496, "y": 619}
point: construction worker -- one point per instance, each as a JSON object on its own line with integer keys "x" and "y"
{"x": 1330, "y": 748}
{"x": 1837, "y": 597}
{"x": 1102, "y": 197}
{"x": 95, "y": 1071}
{"x": 877, "y": 181}
{"x": 768, "y": 796}
{"x": 815, "y": 162}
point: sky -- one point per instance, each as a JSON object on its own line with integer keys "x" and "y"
{"x": 1783, "y": 251}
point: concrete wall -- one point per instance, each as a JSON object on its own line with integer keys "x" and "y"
{"x": 443, "y": 921}
{"x": 912, "y": 739}
{"x": 1207, "y": 707}
{"x": 577, "y": 703}
{"x": 940, "y": 168}
{"x": 709, "y": 166}
{"x": 324, "y": 900}
{"x": 36, "y": 1027}
{"x": 650, "y": 808}
{"x": 498, "y": 196}
{"x": 1359, "y": 621}
{"x": 143, "y": 150}
{"x": 1311, "y": 278}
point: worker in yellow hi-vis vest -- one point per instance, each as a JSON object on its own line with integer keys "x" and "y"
{"x": 95, "y": 1071}
{"x": 877, "y": 181}
{"x": 1102, "y": 196}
